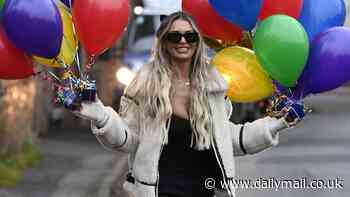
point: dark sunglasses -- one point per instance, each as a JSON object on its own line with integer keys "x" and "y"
{"x": 175, "y": 37}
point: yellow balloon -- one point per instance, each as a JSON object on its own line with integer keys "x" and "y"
{"x": 247, "y": 80}
{"x": 69, "y": 41}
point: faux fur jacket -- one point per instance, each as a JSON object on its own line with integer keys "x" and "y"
{"x": 229, "y": 139}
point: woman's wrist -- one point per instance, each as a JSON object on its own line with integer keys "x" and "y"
{"x": 101, "y": 122}
{"x": 277, "y": 125}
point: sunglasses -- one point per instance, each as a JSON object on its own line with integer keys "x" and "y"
{"x": 175, "y": 37}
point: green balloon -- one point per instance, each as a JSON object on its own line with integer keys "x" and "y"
{"x": 2, "y": 2}
{"x": 282, "y": 47}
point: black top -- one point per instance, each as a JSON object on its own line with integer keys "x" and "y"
{"x": 182, "y": 169}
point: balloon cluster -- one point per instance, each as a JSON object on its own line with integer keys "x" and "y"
{"x": 299, "y": 47}
{"x": 48, "y": 32}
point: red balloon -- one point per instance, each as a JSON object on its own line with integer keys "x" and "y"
{"x": 287, "y": 7}
{"x": 210, "y": 22}
{"x": 99, "y": 23}
{"x": 14, "y": 64}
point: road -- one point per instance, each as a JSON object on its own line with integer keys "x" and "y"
{"x": 317, "y": 149}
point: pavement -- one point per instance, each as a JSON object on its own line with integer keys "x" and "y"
{"x": 75, "y": 165}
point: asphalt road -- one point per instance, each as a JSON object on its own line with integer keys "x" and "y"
{"x": 317, "y": 150}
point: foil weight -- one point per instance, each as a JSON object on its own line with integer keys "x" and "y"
{"x": 71, "y": 100}
{"x": 295, "y": 111}
{"x": 89, "y": 92}
{"x": 292, "y": 110}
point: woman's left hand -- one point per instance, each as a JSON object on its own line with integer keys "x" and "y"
{"x": 283, "y": 107}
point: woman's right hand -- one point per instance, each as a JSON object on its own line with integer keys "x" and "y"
{"x": 94, "y": 111}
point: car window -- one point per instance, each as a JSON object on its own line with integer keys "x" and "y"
{"x": 143, "y": 44}
{"x": 142, "y": 32}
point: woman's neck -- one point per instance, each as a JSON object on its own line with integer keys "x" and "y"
{"x": 181, "y": 69}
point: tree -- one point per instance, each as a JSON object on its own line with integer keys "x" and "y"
{"x": 16, "y": 115}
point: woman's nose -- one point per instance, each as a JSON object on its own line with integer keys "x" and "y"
{"x": 183, "y": 40}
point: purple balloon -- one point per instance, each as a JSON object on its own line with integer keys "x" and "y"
{"x": 34, "y": 26}
{"x": 328, "y": 66}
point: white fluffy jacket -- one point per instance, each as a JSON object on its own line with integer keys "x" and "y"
{"x": 122, "y": 133}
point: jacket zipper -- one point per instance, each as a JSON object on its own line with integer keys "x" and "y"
{"x": 160, "y": 152}
{"x": 216, "y": 152}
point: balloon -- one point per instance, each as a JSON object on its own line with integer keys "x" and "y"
{"x": 241, "y": 12}
{"x": 69, "y": 42}
{"x": 100, "y": 23}
{"x": 34, "y": 26}
{"x": 317, "y": 16}
{"x": 2, "y": 2}
{"x": 247, "y": 81}
{"x": 217, "y": 45}
{"x": 287, "y": 7}
{"x": 210, "y": 23}
{"x": 329, "y": 62}
{"x": 68, "y": 3}
{"x": 282, "y": 47}
{"x": 246, "y": 41}
{"x": 14, "y": 64}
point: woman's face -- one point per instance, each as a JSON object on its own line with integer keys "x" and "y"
{"x": 183, "y": 50}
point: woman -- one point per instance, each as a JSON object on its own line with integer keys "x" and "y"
{"x": 174, "y": 120}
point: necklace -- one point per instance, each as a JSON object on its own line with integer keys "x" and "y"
{"x": 186, "y": 83}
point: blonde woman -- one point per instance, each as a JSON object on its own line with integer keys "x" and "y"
{"x": 174, "y": 121}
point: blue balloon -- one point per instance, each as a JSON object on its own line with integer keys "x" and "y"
{"x": 319, "y": 15}
{"x": 68, "y": 3}
{"x": 240, "y": 12}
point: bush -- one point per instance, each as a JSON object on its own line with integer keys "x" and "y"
{"x": 12, "y": 167}
{"x": 10, "y": 175}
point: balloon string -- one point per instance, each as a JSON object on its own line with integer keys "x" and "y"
{"x": 77, "y": 61}
{"x": 43, "y": 76}
{"x": 249, "y": 37}
{"x": 88, "y": 67}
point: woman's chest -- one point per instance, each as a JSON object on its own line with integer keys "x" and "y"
{"x": 180, "y": 101}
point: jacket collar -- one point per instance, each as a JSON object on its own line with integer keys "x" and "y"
{"x": 216, "y": 83}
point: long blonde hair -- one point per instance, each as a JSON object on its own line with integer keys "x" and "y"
{"x": 152, "y": 87}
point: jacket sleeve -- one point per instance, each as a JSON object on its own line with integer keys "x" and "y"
{"x": 121, "y": 130}
{"x": 250, "y": 138}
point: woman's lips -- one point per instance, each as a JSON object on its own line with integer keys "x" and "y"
{"x": 182, "y": 49}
